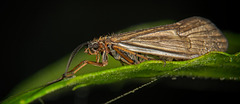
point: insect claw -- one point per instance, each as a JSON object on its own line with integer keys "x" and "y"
{"x": 64, "y": 75}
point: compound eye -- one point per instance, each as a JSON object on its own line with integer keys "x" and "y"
{"x": 95, "y": 46}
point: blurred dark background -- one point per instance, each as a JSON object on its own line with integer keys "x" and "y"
{"x": 37, "y": 33}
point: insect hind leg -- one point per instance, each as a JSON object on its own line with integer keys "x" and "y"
{"x": 128, "y": 56}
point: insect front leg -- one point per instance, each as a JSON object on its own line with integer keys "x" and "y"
{"x": 98, "y": 57}
{"x": 85, "y": 62}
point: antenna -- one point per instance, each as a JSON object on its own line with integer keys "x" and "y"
{"x": 74, "y": 52}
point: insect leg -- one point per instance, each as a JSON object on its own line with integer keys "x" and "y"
{"x": 122, "y": 63}
{"x": 85, "y": 62}
{"x": 97, "y": 57}
{"x": 128, "y": 60}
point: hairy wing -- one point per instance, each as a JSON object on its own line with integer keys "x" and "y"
{"x": 188, "y": 38}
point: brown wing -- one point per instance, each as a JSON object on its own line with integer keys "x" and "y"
{"x": 191, "y": 36}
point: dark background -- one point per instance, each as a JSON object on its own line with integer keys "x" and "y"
{"x": 34, "y": 34}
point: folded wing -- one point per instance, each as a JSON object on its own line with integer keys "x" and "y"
{"x": 185, "y": 39}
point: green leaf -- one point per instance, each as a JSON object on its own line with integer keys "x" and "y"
{"x": 215, "y": 65}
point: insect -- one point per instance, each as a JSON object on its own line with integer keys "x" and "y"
{"x": 183, "y": 40}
